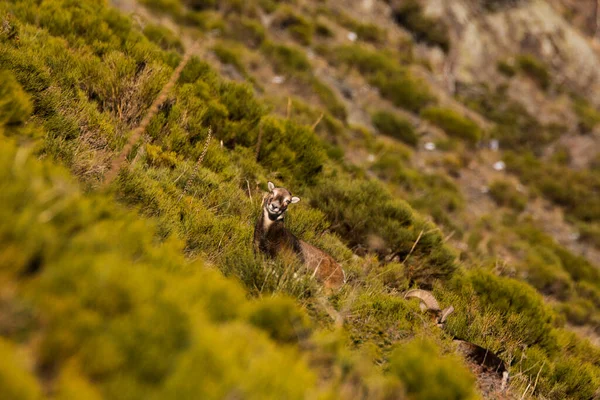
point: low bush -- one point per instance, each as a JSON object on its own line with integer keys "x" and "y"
{"x": 506, "y": 68}
{"x": 367, "y": 32}
{"x": 425, "y": 29}
{"x": 589, "y": 116}
{"x": 229, "y": 53}
{"x": 286, "y": 59}
{"x": 15, "y": 105}
{"x": 427, "y": 374}
{"x": 329, "y": 99}
{"x": 292, "y": 150}
{"x": 505, "y": 194}
{"x": 15, "y": 381}
{"x": 133, "y": 316}
{"x": 163, "y": 37}
{"x": 299, "y": 27}
{"x": 453, "y": 123}
{"x": 281, "y": 319}
{"x": 361, "y": 210}
{"x": 395, "y": 83}
{"x": 396, "y": 127}
{"x": 575, "y": 191}
{"x": 512, "y": 119}
{"x": 535, "y": 69}
{"x": 246, "y": 30}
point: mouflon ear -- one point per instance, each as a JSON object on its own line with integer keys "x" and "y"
{"x": 271, "y": 186}
{"x": 295, "y": 199}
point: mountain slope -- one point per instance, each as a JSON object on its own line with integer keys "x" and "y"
{"x": 343, "y": 123}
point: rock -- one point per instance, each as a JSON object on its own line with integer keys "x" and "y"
{"x": 429, "y": 146}
{"x": 499, "y": 166}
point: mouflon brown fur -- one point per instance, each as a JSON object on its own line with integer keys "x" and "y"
{"x": 271, "y": 237}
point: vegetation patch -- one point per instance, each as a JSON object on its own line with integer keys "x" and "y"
{"x": 396, "y": 127}
{"x": 506, "y": 194}
{"x": 535, "y": 69}
{"x": 394, "y": 82}
{"x": 453, "y": 123}
{"x": 425, "y": 29}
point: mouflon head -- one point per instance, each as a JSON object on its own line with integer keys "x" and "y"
{"x": 278, "y": 200}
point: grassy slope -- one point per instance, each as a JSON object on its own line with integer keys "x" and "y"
{"x": 84, "y": 304}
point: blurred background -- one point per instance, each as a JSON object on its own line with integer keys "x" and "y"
{"x": 449, "y": 146}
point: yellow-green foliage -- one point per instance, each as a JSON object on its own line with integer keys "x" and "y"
{"x": 423, "y": 28}
{"x": 15, "y": 106}
{"x": 108, "y": 303}
{"x": 576, "y": 191}
{"x": 505, "y": 194}
{"x": 15, "y": 381}
{"x": 512, "y": 120}
{"x": 230, "y": 53}
{"x": 135, "y": 317}
{"x": 506, "y": 68}
{"x": 499, "y": 313}
{"x": 163, "y": 37}
{"x": 453, "y": 123}
{"x": 426, "y": 374}
{"x": 280, "y": 317}
{"x": 588, "y": 115}
{"x": 298, "y": 26}
{"x": 394, "y": 82}
{"x": 292, "y": 61}
{"x": 246, "y": 30}
{"x": 394, "y": 126}
{"x": 361, "y": 210}
{"x": 365, "y": 31}
{"x": 286, "y": 59}
{"x": 294, "y": 151}
{"x": 535, "y": 69}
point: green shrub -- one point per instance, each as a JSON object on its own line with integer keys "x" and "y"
{"x": 246, "y": 30}
{"x": 163, "y": 37}
{"x": 575, "y": 192}
{"x": 133, "y": 316}
{"x": 404, "y": 91}
{"x": 298, "y": 26}
{"x": 292, "y": 150}
{"x": 544, "y": 270}
{"x": 505, "y": 194}
{"x": 578, "y": 312}
{"x": 395, "y": 83}
{"x": 363, "y": 212}
{"x": 424, "y": 29}
{"x": 394, "y": 126}
{"x": 15, "y": 106}
{"x": 535, "y": 69}
{"x": 281, "y": 318}
{"x": 588, "y": 116}
{"x": 173, "y": 7}
{"x": 286, "y": 59}
{"x": 506, "y": 68}
{"x": 520, "y": 305}
{"x": 574, "y": 380}
{"x": 365, "y": 31}
{"x": 429, "y": 375}
{"x": 15, "y": 381}
{"x": 512, "y": 119}
{"x": 453, "y": 123}
{"x": 329, "y": 99}
{"x": 323, "y": 30}
{"x": 229, "y": 53}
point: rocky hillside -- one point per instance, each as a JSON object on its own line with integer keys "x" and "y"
{"x": 450, "y": 146}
